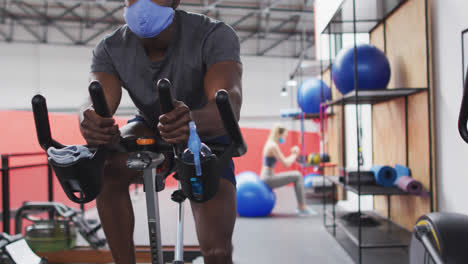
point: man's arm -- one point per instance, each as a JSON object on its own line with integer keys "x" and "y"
{"x": 173, "y": 126}
{"x": 227, "y": 76}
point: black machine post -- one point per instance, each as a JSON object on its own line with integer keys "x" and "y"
{"x": 230, "y": 122}
{"x": 422, "y": 233}
{"x": 463, "y": 117}
{"x": 6, "y": 194}
{"x": 166, "y": 103}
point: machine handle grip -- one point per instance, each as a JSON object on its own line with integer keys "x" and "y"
{"x": 99, "y": 100}
{"x": 463, "y": 117}
{"x": 165, "y": 97}
{"x": 230, "y": 122}
{"x": 41, "y": 119}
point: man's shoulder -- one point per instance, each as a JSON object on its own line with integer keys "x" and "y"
{"x": 202, "y": 27}
{"x": 118, "y": 37}
{"x": 197, "y": 20}
{"x": 199, "y": 23}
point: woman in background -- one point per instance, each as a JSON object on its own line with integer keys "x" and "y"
{"x": 271, "y": 154}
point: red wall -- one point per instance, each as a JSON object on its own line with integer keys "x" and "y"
{"x": 18, "y": 135}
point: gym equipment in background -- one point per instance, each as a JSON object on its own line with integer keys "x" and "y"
{"x": 406, "y": 183}
{"x": 373, "y": 69}
{"x": 150, "y": 155}
{"x": 384, "y": 175}
{"x": 58, "y": 230}
{"x": 316, "y": 158}
{"x": 254, "y": 198}
{"x": 365, "y": 178}
{"x": 15, "y": 250}
{"x": 366, "y": 220}
{"x": 309, "y": 180}
{"x": 442, "y": 236}
{"x": 246, "y": 176}
{"x": 311, "y": 94}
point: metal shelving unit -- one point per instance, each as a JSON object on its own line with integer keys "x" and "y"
{"x": 366, "y": 189}
{"x": 374, "y": 96}
{"x": 371, "y": 243}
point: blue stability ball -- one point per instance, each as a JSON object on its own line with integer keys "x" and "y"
{"x": 373, "y": 69}
{"x": 246, "y": 176}
{"x": 254, "y": 199}
{"x": 311, "y": 93}
{"x": 309, "y": 180}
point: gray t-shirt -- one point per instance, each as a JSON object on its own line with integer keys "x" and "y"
{"x": 198, "y": 43}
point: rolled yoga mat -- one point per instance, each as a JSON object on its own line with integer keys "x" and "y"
{"x": 406, "y": 183}
{"x": 384, "y": 175}
{"x": 410, "y": 185}
{"x": 401, "y": 171}
{"x": 367, "y": 178}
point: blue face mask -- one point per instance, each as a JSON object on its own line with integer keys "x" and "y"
{"x": 147, "y": 19}
{"x": 281, "y": 140}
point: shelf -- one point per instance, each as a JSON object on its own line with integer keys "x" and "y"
{"x": 374, "y": 96}
{"x": 385, "y": 235}
{"x": 306, "y": 116}
{"x": 369, "y": 14}
{"x": 367, "y": 189}
{"x": 323, "y": 165}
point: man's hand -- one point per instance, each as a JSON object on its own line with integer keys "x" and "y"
{"x": 98, "y": 130}
{"x": 173, "y": 126}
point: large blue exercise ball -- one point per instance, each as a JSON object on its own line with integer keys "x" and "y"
{"x": 246, "y": 176}
{"x": 311, "y": 93}
{"x": 254, "y": 199}
{"x": 373, "y": 69}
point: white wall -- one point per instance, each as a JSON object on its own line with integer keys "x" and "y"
{"x": 61, "y": 74}
{"x": 449, "y": 20}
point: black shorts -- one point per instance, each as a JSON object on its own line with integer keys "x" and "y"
{"x": 228, "y": 173}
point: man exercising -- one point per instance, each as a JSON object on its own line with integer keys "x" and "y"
{"x": 199, "y": 56}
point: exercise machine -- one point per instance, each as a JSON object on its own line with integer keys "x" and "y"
{"x": 15, "y": 250}
{"x": 58, "y": 228}
{"x": 81, "y": 179}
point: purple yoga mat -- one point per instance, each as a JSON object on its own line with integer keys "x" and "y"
{"x": 410, "y": 185}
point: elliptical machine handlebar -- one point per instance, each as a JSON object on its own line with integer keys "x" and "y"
{"x": 165, "y": 96}
{"x": 99, "y": 99}
{"x": 463, "y": 117}
{"x": 41, "y": 118}
{"x": 230, "y": 123}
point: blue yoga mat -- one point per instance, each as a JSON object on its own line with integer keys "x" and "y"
{"x": 401, "y": 171}
{"x": 385, "y": 175}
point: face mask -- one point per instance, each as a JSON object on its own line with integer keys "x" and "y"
{"x": 281, "y": 140}
{"x": 147, "y": 19}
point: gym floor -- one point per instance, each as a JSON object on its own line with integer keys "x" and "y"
{"x": 281, "y": 238}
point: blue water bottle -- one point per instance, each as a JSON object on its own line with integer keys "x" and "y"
{"x": 193, "y": 154}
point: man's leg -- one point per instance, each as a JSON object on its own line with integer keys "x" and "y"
{"x": 214, "y": 222}
{"x": 114, "y": 204}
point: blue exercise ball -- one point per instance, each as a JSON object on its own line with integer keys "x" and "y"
{"x": 373, "y": 69}
{"x": 246, "y": 176}
{"x": 311, "y": 93}
{"x": 254, "y": 199}
{"x": 309, "y": 180}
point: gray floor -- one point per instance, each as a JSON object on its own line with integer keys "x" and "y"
{"x": 281, "y": 238}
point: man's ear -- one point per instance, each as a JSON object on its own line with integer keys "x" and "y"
{"x": 175, "y": 4}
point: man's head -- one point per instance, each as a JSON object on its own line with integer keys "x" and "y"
{"x": 148, "y": 18}
{"x": 168, "y": 3}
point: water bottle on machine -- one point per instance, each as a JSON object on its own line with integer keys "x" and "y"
{"x": 195, "y": 153}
